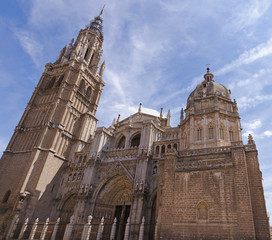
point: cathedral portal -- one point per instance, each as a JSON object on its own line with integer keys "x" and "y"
{"x": 114, "y": 201}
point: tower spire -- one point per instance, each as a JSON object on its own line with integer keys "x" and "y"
{"x": 96, "y": 24}
{"x": 101, "y": 12}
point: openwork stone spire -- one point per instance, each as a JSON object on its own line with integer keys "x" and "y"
{"x": 96, "y": 24}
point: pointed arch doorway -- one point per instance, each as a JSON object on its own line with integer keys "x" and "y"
{"x": 114, "y": 201}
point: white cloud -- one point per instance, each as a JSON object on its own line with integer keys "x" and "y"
{"x": 246, "y": 14}
{"x": 255, "y": 124}
{"x": 32, "y": 47}
{"x": 245, "y": 102}
{"x": 247, "y": 57}
{"x": 268, "y": 133}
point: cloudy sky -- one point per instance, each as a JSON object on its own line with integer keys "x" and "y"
{"x": 156, "y": 51}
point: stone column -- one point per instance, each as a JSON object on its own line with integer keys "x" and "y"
{"x": 141, "y": 232}
{"x": 126, "y": 237}
{"x": 13, "y": 227}
{"x": 156, "y": 230}
{"x": 87, "y": 229}
{"x": 45, "y": 226}
{"x": 113, "y": 229}
{"x": 55, "y": 230}
{"x": 33, "y": 230}
{"x": 23, "y": 229}
{"x": 69, "y": 229}
{"x": 100, "y": 229}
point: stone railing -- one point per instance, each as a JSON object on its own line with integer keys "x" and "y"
{"x": 196, "y": 165}
{"x": 191, "y": 152}
{"x": 90, "y": 229}
{"x": 120, "y": 153}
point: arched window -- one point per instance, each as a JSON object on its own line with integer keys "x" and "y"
{"x": 163, "y": 149}
{"x": 51, "y": 83}
{"x": 81, "y": 86}
{"x": 60, "y": 80}
{"x": 231, "y": 135}
{"x": 202, "y": 211}
{"x": 221, "y": 133}
{"x": 86, "y": 54}
{"x": 155, "y": 170}
{"x": 157, "y": 150}
{"x": 88, "y": 92}
{"x": 121, "y": 143}
{"x": 175, "y": 146}
{"x": 199, "y": 134}
{"x": 6, "y": 196}
{"x": 169, "y": 146}
{"x": 210, "y": 132}
{"x": 91, "y": 59}
{"x": 185, "y": 141}
{"x": 135, "y": 142}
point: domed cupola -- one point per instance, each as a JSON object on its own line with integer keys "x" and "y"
{"x": 208, "y": 88}
{"x": 212, "y": 119}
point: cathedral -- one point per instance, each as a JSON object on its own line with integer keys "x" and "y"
{"x": 140, "y": 178}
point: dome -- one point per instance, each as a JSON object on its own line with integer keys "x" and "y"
{"x": 208, "y": 88}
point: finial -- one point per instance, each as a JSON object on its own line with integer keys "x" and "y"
{"x": 208, "y": 76}
{"x": 140, "y": 108}
{"x": 250, "y": 139}
{"x": 168, "y": 118}
{"x": 181, "y": 115}
{"x": 102, "y": 68}
{"x": 161, "y": 115}
{"x": 71, "y": 43}
{"x": 102, "y": 10}
{"x": 118, "y": 119}
{"x": 113, "y": 122}
{"x": 90, "y": 217}
{"x": 235, "y": 108}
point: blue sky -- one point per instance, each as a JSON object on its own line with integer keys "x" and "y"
{"x": 156, "y": 52}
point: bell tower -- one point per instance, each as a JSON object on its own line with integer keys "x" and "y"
{"x": 58, "y": 121}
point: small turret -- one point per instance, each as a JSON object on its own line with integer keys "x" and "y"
{"x": 140, "y": 108}
{"x": 168, "y": 118}
{"x": 161, "y": 114}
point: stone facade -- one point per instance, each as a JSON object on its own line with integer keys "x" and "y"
{"x": 194, "y": 181}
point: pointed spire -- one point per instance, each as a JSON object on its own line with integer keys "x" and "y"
{"x": 113, "y": 122}
{"x": 181, "y": 115}
{"x": 235, "y": 108}
{"x": 71, "y": 43}
{"x": 96, "y": 24}
{"x": 168, "y": 118}
{"x": 250, "y": 140}
{"x": 161, "y": 114}
{"x": 118, "y": 119}
{"x": 101, "y": 12}
{"x": 102, "y": 68}
{"x": 140, "y": 108}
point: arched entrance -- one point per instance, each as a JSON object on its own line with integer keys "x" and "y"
{"x": 67, "y": 209}
{"x": 66, "y": 212}
{"x": 114, "y": 201}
